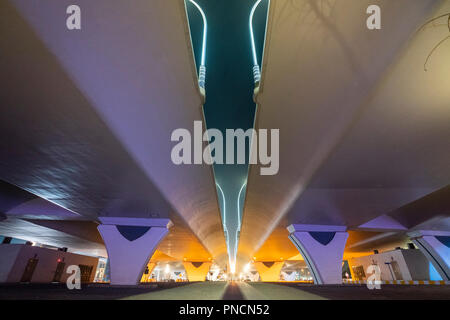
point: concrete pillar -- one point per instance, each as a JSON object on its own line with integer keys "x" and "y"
{"x": 322, "y": 247}
{"x": 196, "y": 271}
{"x": 269, "y": 271}
{"x": 435, "y": 245}
{"x": 130, "y": 242}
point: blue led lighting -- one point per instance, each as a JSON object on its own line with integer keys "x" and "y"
{"x": 202, "y": 69}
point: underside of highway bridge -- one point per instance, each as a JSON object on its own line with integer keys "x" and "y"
{"x": 96, "y": 99}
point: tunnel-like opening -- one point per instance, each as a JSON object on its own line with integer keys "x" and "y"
{"x": 234, "y": 42}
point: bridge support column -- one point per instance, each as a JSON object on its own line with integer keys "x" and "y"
{"x": 269, "y": 271}
{"x": 322, "y": 247}
{"x": 130, "y": 243}
{"x": 196, "y": 271}
{"x": 435, "y": 245}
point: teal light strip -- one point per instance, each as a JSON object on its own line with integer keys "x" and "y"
{"x": 224, "y": 207}
{"x": 252, "y": 37}
{"x": 202, "y": 69}
{"x": 239, "y": 205}
{"x": 205, "y": 31}
{"x": 231, "y": 257}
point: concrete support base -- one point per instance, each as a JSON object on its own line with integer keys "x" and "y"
{"x": 435, "y": 245}
{"x": 269, "y": 271}
{"x": 322, "y": 247}
{"x": 197, "y": 271}
{"x": 130, "y": 242}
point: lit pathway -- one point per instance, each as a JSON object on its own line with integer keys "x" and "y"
{"x": 195, "y": 291}
{"x": 227, "y": 291}
{"x": 269, "y": 291}
{"x": 272, "y": 291}
{"x": 222, "y": 290}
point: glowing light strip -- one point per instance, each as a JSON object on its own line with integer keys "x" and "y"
{"x": 233, "y": 265}
{"x": 205, "y": 30}
{"x": 230, "y": 260}
{"x": 224, "y": 207}
{"x": 255, "y": 59}
{"x": 236, "y": 247}
{"x": 238, "y": 205}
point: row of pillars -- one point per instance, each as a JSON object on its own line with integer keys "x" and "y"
{"x": 322, "y": 247}
{"x": 195, "y": 271}
{"x": 130, "y": 243}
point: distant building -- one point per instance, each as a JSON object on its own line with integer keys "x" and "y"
{"x": 399, "y": 264}
{"x": 27, "y": 263}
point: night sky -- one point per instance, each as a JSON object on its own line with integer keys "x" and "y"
{"x": 229, "y": 82}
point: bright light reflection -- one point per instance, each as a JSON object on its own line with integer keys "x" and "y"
{"x": 252, "y": 37}
{"x": 233, "y": 268}
{"x": 239, "y": 205}
{"x": 224, "y": 206}
{"x": 205, "y": 30}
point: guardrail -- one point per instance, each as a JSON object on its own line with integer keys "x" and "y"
{"x": 400, "y": 282}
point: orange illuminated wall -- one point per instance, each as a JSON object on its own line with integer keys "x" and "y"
{"x": 269, "y": 271}
{"x": 277, "y": 247}
{"x": 197, "y": 271}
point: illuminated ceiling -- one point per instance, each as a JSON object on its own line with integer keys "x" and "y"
{"x": 362, "y": 124}
{"x": 87, "y": 118}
